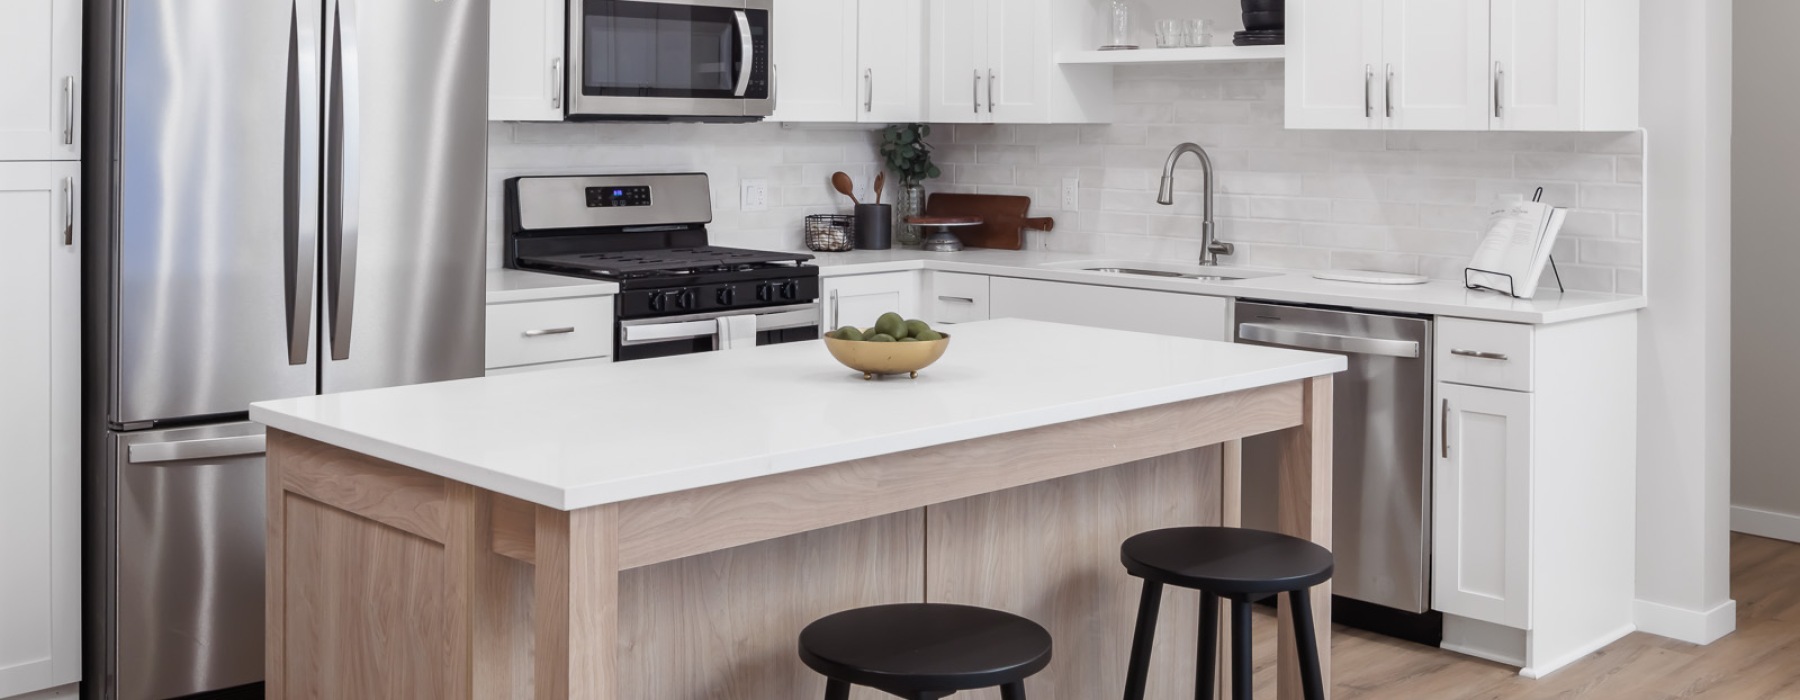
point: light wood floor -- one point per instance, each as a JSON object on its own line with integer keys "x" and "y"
{"x": 1760, "y": 660}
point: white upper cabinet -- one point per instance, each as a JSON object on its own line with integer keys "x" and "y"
{"x": 1463, "y": 65}
{"x": 40, "y": 71}
{"x": 1434, "y": 69}
{"x": 526, "y": 67}
{"x": 1020, "y": 62}
{"x": 849, "y": 61}
{"x": 994, "y": 61}
{"x": 889, "y": 59}
{"x": 40, "y": 424}
{"x": 957, "y": 38}
{"x": 1334, "y": 68}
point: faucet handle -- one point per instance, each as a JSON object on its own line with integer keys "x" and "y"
{"x": 1222, "y": 248}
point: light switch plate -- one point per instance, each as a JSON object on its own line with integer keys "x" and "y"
{"x": 1071, "y": 193}
{"x": 754, "y": 196}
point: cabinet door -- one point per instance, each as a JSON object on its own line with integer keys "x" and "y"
{"x": 816, "y": 73}
{"x": 1435, "y": 66}
{"x": 40, "y": 93}
{"x": 1537, "y": 64}
{"x": 1019, "y": 62}
{"x": 958, "y": 49}
{"x": 859, "y": 300}
{"x": 40, "y": 503}
{"x": 526, "y": 68}
{"x": 1481, "y": 516}
{"x": 1334, "y": 69}
{"x": 1145, "y": 311}
{"x": 890, "y": 63}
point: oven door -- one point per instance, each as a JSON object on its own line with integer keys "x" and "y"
{"x": 701, "y": 59}
{"x": 721, "y": 330}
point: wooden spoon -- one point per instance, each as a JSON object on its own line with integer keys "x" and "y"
{"x": 880, "y": 184}
{"x": 844, "y": 186}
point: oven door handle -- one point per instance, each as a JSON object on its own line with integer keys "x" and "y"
{"x": 746, "y": 53}
{"x": 679, "y": 330}
{"x": 799, "y": 318}
{"x": 707, "y": 325}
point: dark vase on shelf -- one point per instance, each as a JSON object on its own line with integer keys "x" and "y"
{"x": 1265, "y": 22}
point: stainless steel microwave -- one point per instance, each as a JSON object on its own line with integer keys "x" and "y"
{"x": 684, "y": 60}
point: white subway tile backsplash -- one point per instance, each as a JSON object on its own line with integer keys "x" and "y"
{"x": 1615, "y": 197}
{"x": 1564, "y": 166}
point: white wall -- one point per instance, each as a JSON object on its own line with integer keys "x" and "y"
{"x": 1765, "y": 245}
{"x": 1684, "y": 470}
{"x": 1412, "y": 202}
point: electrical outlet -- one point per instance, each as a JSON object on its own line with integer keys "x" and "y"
{"x": 1071, "y": 193}
{"x": 755, "y": 196}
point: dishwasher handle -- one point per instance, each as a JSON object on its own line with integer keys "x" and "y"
{"x": 1331, "y": 342}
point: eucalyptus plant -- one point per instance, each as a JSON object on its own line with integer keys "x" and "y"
{"x": 907, "y": 154}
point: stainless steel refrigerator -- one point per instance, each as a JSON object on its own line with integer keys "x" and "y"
{"x": 284, "y": 198}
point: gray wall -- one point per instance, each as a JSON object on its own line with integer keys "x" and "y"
{"x": 1765, "y": 249}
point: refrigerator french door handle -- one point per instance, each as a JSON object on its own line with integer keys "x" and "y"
{"x": 746, "y": 52}
{"x": 345, "y": 144}
{"x": 302, "y": 187}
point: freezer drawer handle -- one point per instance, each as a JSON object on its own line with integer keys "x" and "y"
{"x": 1333, "y": 342}
{"x": 565, "y": 330}
{"x": 185, "y": 450}
{"x": 1479, "y": 355}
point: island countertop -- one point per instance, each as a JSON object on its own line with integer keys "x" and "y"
{"x": 576, "y": 438}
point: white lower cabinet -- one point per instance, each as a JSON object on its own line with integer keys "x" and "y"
{"x": 1534, "y": 488}
{"x": 1147, "y": 311}
{"x": 956, "y": 297}
{"x": 549, "y": 333}
{"x": 40, "y": 423}
{"x": 858, "y": 300}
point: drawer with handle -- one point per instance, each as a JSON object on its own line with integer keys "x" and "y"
{"x": 1484, "y": 353}
{"x": 957, "y": 298}
{"x": 555, "y": 330}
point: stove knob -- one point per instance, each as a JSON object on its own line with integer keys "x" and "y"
{"x": 726, "y": 296}
{"x": 659, "y": 301}
{"x": 790, "y": 289}
{"x": 684, "y": 299}
{"x": 765, "y": 291}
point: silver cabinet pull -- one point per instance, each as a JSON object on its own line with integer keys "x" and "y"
{"x": 990, "y": 91}
{"x": 68, "y": 211}
{"x": 1499, "y": 81}
{"x": 834, "y": 310}
{"x": 1479, "y": 355}
{"x": 869, "y": 89}
{"x": 975, "y": 92}
{"x": 1388, "y": 96}
{"x": 565, "y": 330}
{"x": 556, "y": 86}
{"x": 69, "y": 111}
{"x": 959, "y": 300}
{"x": 1368, "y": 85}
{"x": 1444, "y": 429}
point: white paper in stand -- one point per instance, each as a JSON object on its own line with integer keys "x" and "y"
{"x": 1518, "y": 242}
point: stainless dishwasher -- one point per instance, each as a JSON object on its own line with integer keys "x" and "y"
{"x": 1381, "y": 462}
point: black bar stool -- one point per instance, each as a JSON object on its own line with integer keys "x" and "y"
{"x": 925, "y": 651}
{"x": 1236, "y": 564}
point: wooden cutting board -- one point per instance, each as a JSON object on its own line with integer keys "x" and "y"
{"x": 1004, "y": 218}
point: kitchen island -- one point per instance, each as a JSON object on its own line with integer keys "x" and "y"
{"x": 662, "y": 529}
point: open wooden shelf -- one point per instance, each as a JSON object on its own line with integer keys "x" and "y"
{"x": 1203, "y": 54}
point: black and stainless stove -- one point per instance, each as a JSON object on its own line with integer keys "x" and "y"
{"x": 677, "y": 294}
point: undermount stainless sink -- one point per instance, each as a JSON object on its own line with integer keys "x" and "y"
{"x": 1205, "y": 276}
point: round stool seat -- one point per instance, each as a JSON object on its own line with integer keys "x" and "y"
{"x": 930, "y": 647}
{"x": 1226, "y": 561}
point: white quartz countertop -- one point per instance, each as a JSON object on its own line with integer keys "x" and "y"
{"x": 580, "y": 437}
{"x": 508, "y": 286}
{"x": 1437, "y": 297}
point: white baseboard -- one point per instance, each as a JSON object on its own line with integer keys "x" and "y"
{"x": 1548, "y": 667}
{"x": 1691, "y": 626}
{"x": 1765, "y": 523}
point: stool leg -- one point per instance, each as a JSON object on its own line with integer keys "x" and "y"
{"x": 1140, "y": 641}
{"x": 1013, "y": 691}
{"x": 1312, "y": 686}
{"x": 1240, "y": 650}
{"x": 836, "y": 689}
{"x": 1207, "y": 664}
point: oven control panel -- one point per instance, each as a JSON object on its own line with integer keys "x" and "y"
{"x": 631, "y": 196}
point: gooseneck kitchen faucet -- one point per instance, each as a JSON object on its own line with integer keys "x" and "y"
{"x": 1210, "y": 247}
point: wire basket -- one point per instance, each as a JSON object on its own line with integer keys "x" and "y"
{"x": 830, "y": 233}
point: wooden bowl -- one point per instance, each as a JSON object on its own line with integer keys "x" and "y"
{"x": 886, "y": 358}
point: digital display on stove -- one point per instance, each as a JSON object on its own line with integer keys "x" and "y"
{"x": 633, "y": 196}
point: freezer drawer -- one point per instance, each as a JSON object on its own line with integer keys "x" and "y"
{"x": 189, "y": 541}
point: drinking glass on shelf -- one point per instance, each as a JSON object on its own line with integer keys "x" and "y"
{"x": 1198, "y": 33}
{"x": 1171, "y": 33}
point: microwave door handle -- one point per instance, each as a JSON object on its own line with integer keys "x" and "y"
{"x": 746, "y": 53}
{"x": 345, "y": 173}
{"x": 302, "y": 187}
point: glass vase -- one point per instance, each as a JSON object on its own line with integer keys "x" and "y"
{"x": 909, "y": 203}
